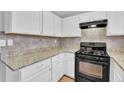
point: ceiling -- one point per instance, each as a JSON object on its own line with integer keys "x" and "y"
{"x": 64, "y": 14}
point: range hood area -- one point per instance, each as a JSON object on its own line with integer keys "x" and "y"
{"x": 93, "y": 24}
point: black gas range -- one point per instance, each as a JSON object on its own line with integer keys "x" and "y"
{"x": 92, "y": 63}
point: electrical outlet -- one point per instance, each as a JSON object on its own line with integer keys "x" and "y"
{"x": 55, "y": 40}
{"x": 2, "y": 42}
{"x": 10, "y": 42}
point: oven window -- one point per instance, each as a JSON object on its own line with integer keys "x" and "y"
{"x": 90, "y": 69}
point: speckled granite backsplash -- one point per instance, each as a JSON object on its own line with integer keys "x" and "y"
{"x": 25, "y": 43}
{"x": 114, "y": 44}
{"x": 87, "y": 35}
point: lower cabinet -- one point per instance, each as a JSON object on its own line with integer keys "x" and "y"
{"x": 48, "y": 70}
{"x": 57, "y": 67}
{"x": 37, "y": 72}
{"x": 116, "y": 73}
{"x": 69, "y": 64}
{"x": 43, "y": 76}
{"x": 52, "y": 70}
{"x": 2, "y": 72}
{"x": 111, "y": 77}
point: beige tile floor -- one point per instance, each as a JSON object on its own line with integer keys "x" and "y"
{"x": 66, "y": 79}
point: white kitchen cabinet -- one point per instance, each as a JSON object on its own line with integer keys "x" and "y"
{"x": 57, "y": 25}
{"x": 69, "y": 64}
{"x": 71, "y": 27}
{"x": 85, "y": 17}
{"x": 115, "y": 23}
{"x": 48, "y": 23}
{"x": 1, "y": 21}
{"x": 92, "y": 16}
{"x": 42, "y": 76}
{"x": 51, "y": 24}
{"x": 98, "y": 15}
{"x": 116, "y": 72}
{"x": 66, "y": 27}
{"x": 23, "y": 22}
{"x": 30, "y": 72}
{"x": 2, "y": 72}
{"x": 57, "y": 67}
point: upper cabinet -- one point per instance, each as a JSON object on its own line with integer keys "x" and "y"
{"x": 23, "y": 22}
{"x": 115, "y": 23}
{"x": 71, "y": 27}
{"x": 57, "y": 26}
{"x": 48, "y": 23}
{"x": 32, "y": 22}
{"x": 1, "y": 21}
{"x": 51, "y": 24}
{"x": 92, "y": 16}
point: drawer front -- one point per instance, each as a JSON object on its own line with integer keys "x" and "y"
{"x": 35, "y": 68}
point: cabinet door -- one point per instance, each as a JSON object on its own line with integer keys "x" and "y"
{"x": 43, "y": 76}
{"x": 70, "y": 64}
{"x": 74, "y": 26}
{"x": 26, "y": 22}
{"x": 66, "y": 27}
{"x": 118, "y": 73}
{"x": 99, "y": 15}
{"x": 57, "y": 25}
{"x": 57, "y": 71}
{"x": 48, "y": 23}
{"x": 71, "y": 26}
{"x": 2, "y": 72}
{"x": 85, "y": 17}
{"x": 115, "y": 23}
{"x": 1, "y": 21}
{"x": 57, "y": 67}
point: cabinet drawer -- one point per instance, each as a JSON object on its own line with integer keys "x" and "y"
{"x": 34, "y": 68}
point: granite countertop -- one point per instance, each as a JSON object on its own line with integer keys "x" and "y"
{"x": 118, "y": 57}
{"x": 34, "y": 56}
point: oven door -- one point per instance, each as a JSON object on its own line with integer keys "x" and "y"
{"x": 91, "y": 70}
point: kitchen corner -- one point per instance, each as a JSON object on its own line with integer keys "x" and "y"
{"x": 44, "y": 49}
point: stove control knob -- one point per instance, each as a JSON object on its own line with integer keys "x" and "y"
{"x": 97, "y": 58}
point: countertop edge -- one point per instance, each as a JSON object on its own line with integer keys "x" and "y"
{"x": 34, "y": 62}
